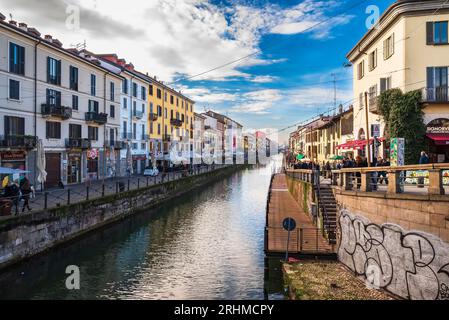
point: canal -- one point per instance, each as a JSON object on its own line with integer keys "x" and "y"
{"x": 207, "y": 244}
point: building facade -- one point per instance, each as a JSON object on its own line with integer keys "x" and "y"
{"x": 408, "y": 50}
{"x": 61, "y": 97}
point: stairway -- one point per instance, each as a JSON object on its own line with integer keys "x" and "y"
{"x": 328, "y": 210}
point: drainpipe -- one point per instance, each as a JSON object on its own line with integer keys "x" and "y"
{"x": 131, "y": 111}
{"x": 35, "y": 106}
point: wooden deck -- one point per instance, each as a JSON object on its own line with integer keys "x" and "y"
{"x": 306, "y": 238}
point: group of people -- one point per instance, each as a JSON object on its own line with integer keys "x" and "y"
{"x": 15, "y": 191}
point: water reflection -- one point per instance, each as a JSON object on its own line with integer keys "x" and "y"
{"x": 207, "y": 244}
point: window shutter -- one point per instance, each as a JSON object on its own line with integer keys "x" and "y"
{"x": 21, "y": 60}
{"x": 383, "y": 85}
{"x": 430, "y": 77}
{"x": 429, "y": 33}
{"x": 58, "y": 72}
{"x": 58, "y": 98}
{"x": 392, "y": 45}
{"x": 48, "y": 69}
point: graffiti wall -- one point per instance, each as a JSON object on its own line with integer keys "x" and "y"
{"x": 409, "y": 264}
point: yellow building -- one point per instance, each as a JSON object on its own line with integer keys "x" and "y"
{"x": 171, "y": 119}
{"x": 409, "y": 50}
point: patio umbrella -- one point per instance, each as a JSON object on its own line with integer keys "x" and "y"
{"x": 300, "y": 156}
{"x": 129, "y": 159}
{"x": 40, "y": 165}
{"x": 336, "y": 158}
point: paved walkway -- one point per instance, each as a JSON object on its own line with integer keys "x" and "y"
{"x": 306, "y": 238}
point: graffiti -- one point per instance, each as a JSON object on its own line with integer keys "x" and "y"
{"x": 412, "y": 265}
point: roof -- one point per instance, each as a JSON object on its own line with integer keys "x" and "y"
{"x": 70, "y": 52}
{"x": 221, "y": 117}
{"x": 391, "y": 14}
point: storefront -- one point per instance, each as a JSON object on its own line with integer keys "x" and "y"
{"x": 92, "y": 164}
{"x": 13, "y": 159}
{"x": 437, "y": 134}
{"x": 74, "y": 167}
{"x": 139, "y": 161}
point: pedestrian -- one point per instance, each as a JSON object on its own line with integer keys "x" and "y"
{"x": 12, "y": 192}
{"x": 423, "y": 159}
{"x": 25, "y": 188}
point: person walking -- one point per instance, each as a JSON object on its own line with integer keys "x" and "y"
{"x": 25, "y": 188}
{"x": 12, "y": 192}
{"x": 423, "y": 159}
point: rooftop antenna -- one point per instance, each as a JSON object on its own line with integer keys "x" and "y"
{"x": 335, "y": 92}
{"x": 80, "y": 46}
{"x": 10, "y": 16}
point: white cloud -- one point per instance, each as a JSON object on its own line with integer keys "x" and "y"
{"x": 263, "y": 79}
{"x": 257, "y": 102}
{"x": 317, "y": 96}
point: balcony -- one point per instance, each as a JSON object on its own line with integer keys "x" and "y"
{"x": 153, "y": 117}
{"x": 137, "y": 115}
{"x": 207, "y": 127}
{"x": 166, "y": 137}
{"x": 56, "y": 111}
{"x": 77, "y": 143}
{"x": 18, "y": 142}
{"x": 435, "y": 95}
{"x": 176, "y": 122}
{"x": 99, "y": 118}
{"x": 374, "y": 104}
{"x": 118, "y": 145}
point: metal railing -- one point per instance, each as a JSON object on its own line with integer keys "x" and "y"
{"x": 302, "y": 240}
{"x": 56, "y": 111}
{"x": 436, "y": 94}
{"x": 430, "y": 179}
{"x": 100, "y": 118}
{"x": 95, "y": 189}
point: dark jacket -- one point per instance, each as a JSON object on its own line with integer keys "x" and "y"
{"x": 424, "y": 159}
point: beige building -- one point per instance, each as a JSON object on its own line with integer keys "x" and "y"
{"x": 409, "y": 50}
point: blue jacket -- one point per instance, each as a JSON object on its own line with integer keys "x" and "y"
{"x": 424, "y": 159}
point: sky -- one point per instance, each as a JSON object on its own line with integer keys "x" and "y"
{"x": 275, "y": 61}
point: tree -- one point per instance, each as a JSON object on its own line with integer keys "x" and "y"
{"x": 403, "y": 118}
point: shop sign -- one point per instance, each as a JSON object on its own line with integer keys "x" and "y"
{"x": 141, "y": 157}
{"x": 375, "y": 130}
{"x": 13, "y": 156}
{"x": 92, "y": 154}
{"x": 438, "y": 126}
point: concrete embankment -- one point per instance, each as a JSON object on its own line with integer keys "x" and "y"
{"x": 26, "y": 235}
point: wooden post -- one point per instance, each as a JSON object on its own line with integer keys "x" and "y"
{"x": 435, "y": 182}
{"x": 368, "y": 150}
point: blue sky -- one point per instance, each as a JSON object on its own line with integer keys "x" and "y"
{"x": 287, "y": 79}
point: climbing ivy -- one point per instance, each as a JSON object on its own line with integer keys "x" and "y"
{"x": 403, "y": 116}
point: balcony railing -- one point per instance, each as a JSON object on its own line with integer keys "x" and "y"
{"x": 374, "y": 104}
{"x": 436, "y": 94}
{"x": 56, "y": 111}
{"x": 78, "y": 143}
{"x": 137, "y": 114}
{"x": 153, "y": 116}
{"x": 115, "y": 144}
{"x": 18, "y": 141}
{"x": 166, "y": 137}
{"x": 176, "y": 122}
{"x": 100, "y": 118}
{"x": 127, "y": 135}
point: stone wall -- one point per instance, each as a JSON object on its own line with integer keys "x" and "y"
{"x": 26, "y": 235}
{"x": 398, "y": 243}
{"x": 302, "y": 192}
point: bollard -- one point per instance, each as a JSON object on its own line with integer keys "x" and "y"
{"x": 87, "y": 193}
{"x": 45, "y": 200}
{"x": 138, "y": 183}
{"x": 116, "y": 187}
{"x": 128, "y": 184}
{"x": 102, "y": 190}
{"x": 148, "y": 181}
{"x": 68, "y": 196}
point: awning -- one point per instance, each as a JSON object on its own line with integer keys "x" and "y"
{"x": 357, "y": 144}
{"x": 439, "y": 139}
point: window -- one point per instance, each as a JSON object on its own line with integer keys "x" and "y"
{"x": 135, "y": 146}
{"x": 74, "y": 131}
{"x": 151, "y": 127}
{"x": 134, "y": 107}
{"x": 151, "y": 107}
{"x": 112, "y": 111}
{"x": 159, "y": 94}
{"x": 112, "y": 91}
{"x": 93, "y": 106}
{"x": 158, "y": 128}
{"x": 166, "y": 113}
{"x": 389, "y": 47}
{"x": 182, "y": 117}
{"x": 75, "y": 102}
{"x": 53, "y": 98}
{"x": 150, "y": 89}
{"x": 125, "y": 129}
{"x": 165, "y": 96}
{"x": 143, "y": 132}
{"x": 143, "y": 107}
{"x": 361, "y": 100}
{"x": 361, "y": 70}
{"x": 53, "y": 130}
{"x": 159, "y": 111}
{"x": 135, "y": 90}
{"x": 73, "y": 78}
{"x": 14, "y": 89}
{"x": 385, "y": 84}
{"x": 92, "y": 133}
{"x": 16, "y": 59}
{"x": 182, "y": 104}
{"x": 125, "y": 86}
{"x": 171, "y": 114}
{"x": 187, "y": 106}
{"x": 112, "y": 135}
{"x": 143, "y": 146}
{"x": 437, "y": 84}
{"x": 372, "y": 60}
{"x": 125, "y": 103}
{"x": 171, "y": 99}
{"x": 14, "y": 126}
{"x": 93, "y": 85}
{"x": 437, "y": 32}
{"x": 134, "y": 131}
{"x": 143, "y": 93}
{"x": 372, "y": 93}
{"x": 177, "y": 102}
{"x": 53, "y": 71}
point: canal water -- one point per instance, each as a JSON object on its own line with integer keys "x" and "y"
{"x": 207, "y": 244}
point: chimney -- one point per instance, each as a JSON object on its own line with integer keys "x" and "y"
{"x": 340, "y": 109}
{"x": 12, "y": 22}
{"x": 49, "y": 38}
{"x": 2, "y": 17}
{"x": 34, "y": 32}
{"x": 23, "y": 26}
{"x": 57, "y": 43}
{"x": 155, "y": 78}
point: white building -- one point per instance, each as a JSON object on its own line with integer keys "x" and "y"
{"x": 65, "y": 99}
